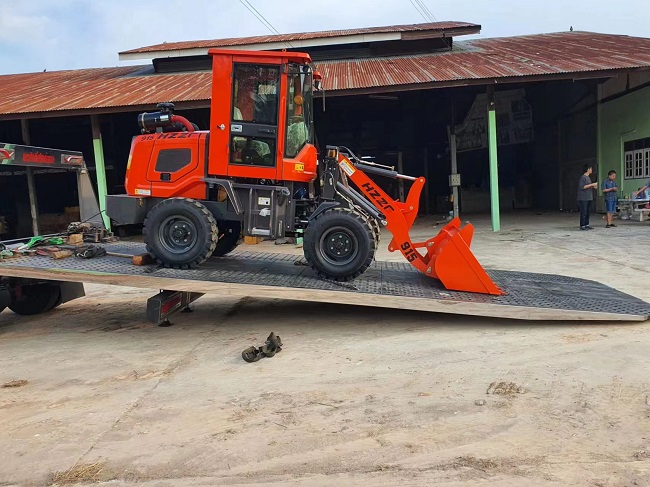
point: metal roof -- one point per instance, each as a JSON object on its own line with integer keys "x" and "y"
{"x": 569, "y": 54}
{"x": 98, "y": 88}
{"x": 435, "y": 27}
{"x": 508, "y": 57}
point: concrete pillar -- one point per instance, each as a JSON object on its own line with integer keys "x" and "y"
{"x": 31, "y": 186}
{"x": 100, "y": 168}
{"x": 494, "y": 163}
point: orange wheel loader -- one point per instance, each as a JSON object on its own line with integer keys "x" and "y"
{"x": 257, "y": 172}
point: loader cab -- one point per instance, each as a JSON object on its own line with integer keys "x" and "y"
{"x": 261, "y": 116}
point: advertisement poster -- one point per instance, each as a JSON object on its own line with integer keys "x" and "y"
{"x": 514, "y": 121}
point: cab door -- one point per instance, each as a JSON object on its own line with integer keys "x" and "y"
{"x": 255, "y": 108}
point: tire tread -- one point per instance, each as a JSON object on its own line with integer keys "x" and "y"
{"x": 208, "y": 246}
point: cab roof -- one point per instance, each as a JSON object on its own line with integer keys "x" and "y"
{"x": 296, "y": 57}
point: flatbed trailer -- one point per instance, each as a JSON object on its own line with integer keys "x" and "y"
{"x": 276, "y": 275}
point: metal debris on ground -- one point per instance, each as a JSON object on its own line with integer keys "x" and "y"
{"x": 272, "y": 346}
{"x": 15, "y": 383}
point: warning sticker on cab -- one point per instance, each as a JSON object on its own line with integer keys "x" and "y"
{"x": 300, "y": 167}
{"x": 143, "y": 192}
{"x": 347, "y": 167}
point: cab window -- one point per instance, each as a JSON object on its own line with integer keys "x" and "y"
{"x": 255, "y": 96}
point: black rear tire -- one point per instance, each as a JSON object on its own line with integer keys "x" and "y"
{"x": 229, "y": 237}
{"x": 339, "y": 244}
{"x": 35, "y": 299}
{"x": 180, "y": 233}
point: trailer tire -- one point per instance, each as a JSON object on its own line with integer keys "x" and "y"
{"x": 339, "y": 244}
{"x": 36, "y": 299}
{"x": 229, "y": 237}
{"x": 180, "y": 233}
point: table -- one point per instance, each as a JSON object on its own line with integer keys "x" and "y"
{"x": 629, "y": 207}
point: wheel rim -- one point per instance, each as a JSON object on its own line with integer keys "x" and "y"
{"x": 339, "y": 246}
{"x": 177, "y": 234}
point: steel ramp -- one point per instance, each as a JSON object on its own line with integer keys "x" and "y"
{"x": 385, "y": 284}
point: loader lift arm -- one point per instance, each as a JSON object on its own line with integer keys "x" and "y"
{"x": 446, "y": 257}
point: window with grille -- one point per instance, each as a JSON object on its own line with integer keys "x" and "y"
{"x": 637, "y": 158}
{"x": 629, "y": 166}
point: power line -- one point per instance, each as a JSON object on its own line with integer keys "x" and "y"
{"x": 415, "y": 5}
{"x": 259, "y": 16}
{"x": 426, "y": 14}
{"x": 262, "y": 19}
{"x": 426, "y": 10}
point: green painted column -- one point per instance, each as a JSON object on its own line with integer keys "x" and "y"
{"x": 494, "y": 163}
{"x": 100, "y": 168}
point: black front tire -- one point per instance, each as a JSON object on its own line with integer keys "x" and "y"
{"x": 180, "y": 233}
{"x": 35, "y": 299}
{"x": 229, "y": 237}
{"x": 339, "y": 244}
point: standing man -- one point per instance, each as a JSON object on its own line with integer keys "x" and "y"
{"x": 585, "y": 196}
{"x": 609, "y": 190}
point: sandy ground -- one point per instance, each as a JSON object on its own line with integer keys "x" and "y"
{"x": 358, "y": 396}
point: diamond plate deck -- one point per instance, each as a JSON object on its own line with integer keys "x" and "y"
{"x": 384, "y": 284}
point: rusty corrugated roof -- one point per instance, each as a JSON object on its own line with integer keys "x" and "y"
{"x": 438, "y": 27}
{"x": 486, "y": 59}
{"x": 543, "y": 54}
{"x": 98, "y": 88}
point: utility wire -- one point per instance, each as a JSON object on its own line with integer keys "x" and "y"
{"x": 426, "y": 14}
{"x": 427, "y": 11}
{"x": 416, "y": 7}
{"x": 261, "y": 18}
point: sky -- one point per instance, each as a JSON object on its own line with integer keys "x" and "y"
{"x": 37, "y": 35}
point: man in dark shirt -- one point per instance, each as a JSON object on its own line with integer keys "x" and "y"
{"x": 585, "y": 196}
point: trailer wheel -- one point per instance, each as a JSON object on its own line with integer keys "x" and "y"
{"x": 35, "y": 299}
{"x": 180, "y": 233}
{"x": 339, "y": 244}
{"x": 229, "y": 237}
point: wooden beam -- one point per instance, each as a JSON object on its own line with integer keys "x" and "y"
{"x": 181, "y": 105}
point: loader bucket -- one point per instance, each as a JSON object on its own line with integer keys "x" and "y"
{"x": 454, "y": 264}
{"x": 447, "y": 258}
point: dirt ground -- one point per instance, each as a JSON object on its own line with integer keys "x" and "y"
{"x": 94, "y": 394}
